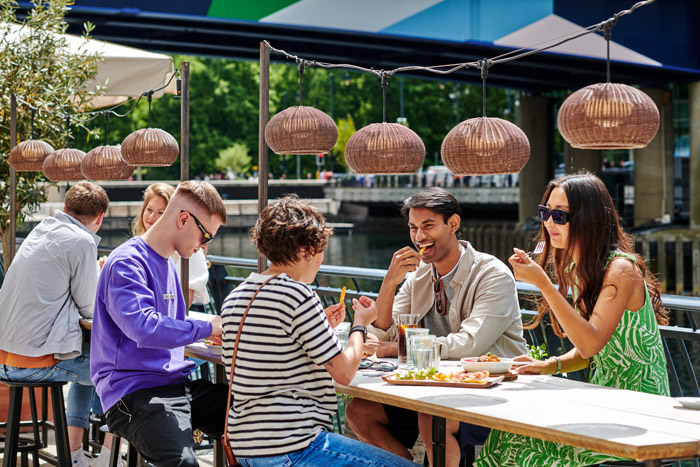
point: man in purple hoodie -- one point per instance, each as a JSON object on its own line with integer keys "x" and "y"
{"x": 140, "y": 329}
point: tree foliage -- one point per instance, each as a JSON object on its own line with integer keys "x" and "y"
{"x": 35, "y": 67}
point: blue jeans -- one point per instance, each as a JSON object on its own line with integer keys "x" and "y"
{"x": 81, "y": 396}
{"x": 331, "y": 450}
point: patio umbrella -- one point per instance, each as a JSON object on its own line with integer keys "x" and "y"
{"x": 125, "y": 71}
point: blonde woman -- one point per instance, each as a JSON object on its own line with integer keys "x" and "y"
{"x": 155, "y": 199}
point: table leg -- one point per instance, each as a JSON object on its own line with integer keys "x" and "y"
{"x": 219, "y": 377}
{"x": 439, "y": 430}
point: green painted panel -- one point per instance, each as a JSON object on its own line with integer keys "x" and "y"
{"x": 246, "y": 9}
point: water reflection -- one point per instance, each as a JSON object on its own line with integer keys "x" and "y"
{"x": 356, "y": 250}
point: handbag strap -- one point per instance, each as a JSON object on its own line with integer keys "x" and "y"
{"x": 235, "y": 350}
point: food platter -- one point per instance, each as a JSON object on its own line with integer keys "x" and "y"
{"x": 488, "y": 382}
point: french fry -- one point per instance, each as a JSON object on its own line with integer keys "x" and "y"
{"x": 342, "y": 295}
{"x": 422, "y": 250}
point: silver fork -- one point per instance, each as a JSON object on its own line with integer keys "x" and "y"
{"x": 539, "y": 248}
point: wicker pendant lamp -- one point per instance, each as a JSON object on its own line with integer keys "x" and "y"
{"x": 106, "y": 162}
{"x": 150, "y": 147}
{"x": 300, "y": 129}
{"x": 29, "y": 155}
{"x": 482, "y": 146}
{"x": 64, "y": 164}
{"x": 608, "y": 115}
{"x": 385, "y": 148}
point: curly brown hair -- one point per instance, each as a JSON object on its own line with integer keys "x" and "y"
{"x": 288, "y": 225}
{"x": 595, "y": 230}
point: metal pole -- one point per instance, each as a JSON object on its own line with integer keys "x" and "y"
{"x": 13, "y": 182}
{"x": 262, "y": 146}
{"x": 185, "y": 161}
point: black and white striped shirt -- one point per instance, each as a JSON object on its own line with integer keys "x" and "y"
{"x": 282, "y": 397}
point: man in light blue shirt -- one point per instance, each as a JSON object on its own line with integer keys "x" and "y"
{"x": 49, "y": 286}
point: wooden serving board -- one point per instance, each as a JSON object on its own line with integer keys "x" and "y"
{"x": 510, "y": 376}
{"x": 490, "y": 381}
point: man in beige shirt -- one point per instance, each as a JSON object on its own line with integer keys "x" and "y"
{"x": 473, "y": 310}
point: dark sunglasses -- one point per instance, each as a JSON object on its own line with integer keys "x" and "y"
{"x": 558, "y": 216}
{"x": 208, "y": 238}
{"x": 439, "y": 301}
{"x": 366, "y": 363}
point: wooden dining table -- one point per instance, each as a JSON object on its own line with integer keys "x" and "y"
{"x": 643, "y": 427}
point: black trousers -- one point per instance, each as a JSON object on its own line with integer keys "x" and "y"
{"x": 159, "y": 421}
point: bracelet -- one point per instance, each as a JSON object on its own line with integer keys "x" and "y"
{"x": 558, "y": 365}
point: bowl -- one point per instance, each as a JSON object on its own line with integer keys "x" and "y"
{"x": 496, "y": 368}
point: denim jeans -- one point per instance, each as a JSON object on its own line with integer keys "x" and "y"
{"x": 81, "y": 395}
{"x": 331, "y": 450}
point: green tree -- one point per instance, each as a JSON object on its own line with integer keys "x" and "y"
{"x": 234, "y": 158}
{"x": 41, "y": 74}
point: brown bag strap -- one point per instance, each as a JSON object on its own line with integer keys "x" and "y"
{"x": 235, "y": 350}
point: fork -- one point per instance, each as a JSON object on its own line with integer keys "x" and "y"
{"x": 539, "y": 248}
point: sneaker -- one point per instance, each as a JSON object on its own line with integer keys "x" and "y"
{"x": 80, "y": 459}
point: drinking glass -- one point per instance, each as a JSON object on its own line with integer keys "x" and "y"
{"x": 423, "y": 351}
{"x": 342, "y": 336}
{"x": 410, "y": 332}
{"x": 406, "y": 320}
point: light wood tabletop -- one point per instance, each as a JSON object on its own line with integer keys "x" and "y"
{"x": 640, "y": 426}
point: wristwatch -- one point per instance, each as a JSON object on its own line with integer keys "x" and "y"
{"x": 361, "y": 329}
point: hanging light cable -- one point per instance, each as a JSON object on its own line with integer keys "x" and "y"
{"x": 481, "y": 146}
{"x": 29, "y": 155}
{"x": 385, "y": 148}
{"x": 301, "y": 129}
{"x": 106, "y": 162}
{"x": 608, "y": 115}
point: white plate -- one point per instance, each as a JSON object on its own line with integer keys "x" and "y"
{"x": 472, "y": 364}
{"x": 689, "y": 402}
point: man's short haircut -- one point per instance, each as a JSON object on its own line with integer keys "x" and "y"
{"x": 288, "y": 225}
{"x": 204, "y": 195}
{"x": 437, "y": 200}
{"x": 85, "y": 201}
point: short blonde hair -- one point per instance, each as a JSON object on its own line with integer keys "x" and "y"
{"x": 161, "y": 189}
{"x": 204, "y": 195}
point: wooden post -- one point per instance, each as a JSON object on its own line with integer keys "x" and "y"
{"x": 13, "y": 182}
{"x": 262, "y": 146}
{"x": 680, "y": 279}
{"x": 185, "y": 161}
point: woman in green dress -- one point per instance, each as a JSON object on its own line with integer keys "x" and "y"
{"x": 612, "y": 323}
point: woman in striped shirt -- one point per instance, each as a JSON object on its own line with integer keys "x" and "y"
{"x": 283, "y": 397}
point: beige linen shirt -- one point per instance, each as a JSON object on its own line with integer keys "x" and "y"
{"x": 484, "y": 314}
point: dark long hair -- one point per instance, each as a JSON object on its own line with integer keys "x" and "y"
{"x": 594, "y": 229}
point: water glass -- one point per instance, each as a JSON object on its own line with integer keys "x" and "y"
{"x": 410, "y": 332}
{"x": 342, "y": 335}
{"x": 423, "y": 351}
{"x": 406, "y": 320}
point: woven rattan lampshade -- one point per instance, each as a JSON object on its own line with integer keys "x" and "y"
{"x": 64, "y": 165}
{"x": 384, "y": 148}
{"x": 301, "y": 130}
{"x": 481, "y": 146}
{"x": 608, "y": 116}
{"x": 29, "y": 155}
{"x": 150, "y": 147}
{"x": 106, "y": 163}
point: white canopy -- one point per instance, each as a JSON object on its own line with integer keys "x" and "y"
{"x": 127, "y": 72}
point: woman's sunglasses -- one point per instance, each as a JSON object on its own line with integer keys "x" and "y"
{"x": 558, "y": 216}
{"x": 366, "y": 363}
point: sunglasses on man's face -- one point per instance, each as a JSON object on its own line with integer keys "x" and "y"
{"x": 366, "y": 363}
{"x": 558, "y": 216}
{"x": 208, "y": 238}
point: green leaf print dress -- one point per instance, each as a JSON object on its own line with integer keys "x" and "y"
{"x": 632, "y": 359}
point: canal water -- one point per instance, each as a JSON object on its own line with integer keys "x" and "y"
{"x": 355, "y": 249}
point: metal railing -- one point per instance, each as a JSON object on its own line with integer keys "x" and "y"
{"x": 681, "y": 339}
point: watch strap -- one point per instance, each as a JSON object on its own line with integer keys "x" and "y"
{"x": 361, "y": 329}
